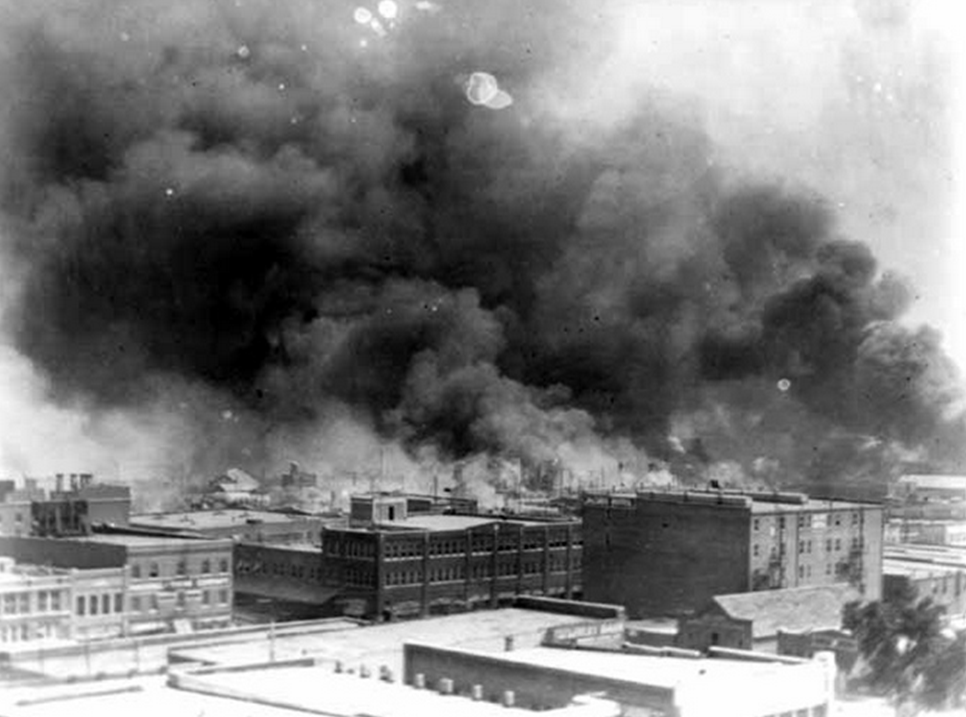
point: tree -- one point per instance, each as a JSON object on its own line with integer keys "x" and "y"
{"x": 908, "y": 655}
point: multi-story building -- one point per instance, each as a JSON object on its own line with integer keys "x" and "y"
{"x": 670, "y": 552}
{"x": 68, "y": 509}
{"x": 35, "y": 603}
{"x": 391, "y": 563}
{"x": 169, "y": 583}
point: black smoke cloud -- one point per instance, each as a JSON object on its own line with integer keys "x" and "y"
{"x": 250, "y": 201}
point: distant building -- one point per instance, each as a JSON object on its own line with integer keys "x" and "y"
{"x": 258, "y": 526}
{"x": 171, "y": 584}
{"x": 70, "y": 509}
{"x": 925, "y": 532}
{"x": 934, "y": 572}
{"x": 670, "y": 552}
{"x": 931, "y": 488}
{"x": 753, "y": 620}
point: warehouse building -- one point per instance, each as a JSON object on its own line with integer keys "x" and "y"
{"x": 670, "y": 552}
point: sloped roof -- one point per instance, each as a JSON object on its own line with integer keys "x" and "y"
{"x": 791, "y": 609}
{"x": 239, "y": 479}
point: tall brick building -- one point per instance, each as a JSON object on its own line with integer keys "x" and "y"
{"x": 670, "y": 552}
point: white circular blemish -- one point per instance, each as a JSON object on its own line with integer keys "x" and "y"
{"x": 362, "y": 16}
{"x": 784, "y": 384}
{"x": 388, "y": 9}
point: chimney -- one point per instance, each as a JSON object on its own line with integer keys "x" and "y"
{"x": 73, "y": 481}
{"x": 60, "y": 482}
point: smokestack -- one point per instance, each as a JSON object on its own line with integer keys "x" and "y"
{"x": 59, "y": 482}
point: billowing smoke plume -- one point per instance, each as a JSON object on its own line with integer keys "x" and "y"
{"x": 287, "y": 214}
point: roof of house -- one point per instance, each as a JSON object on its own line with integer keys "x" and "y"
{"x": 790, "y": 609}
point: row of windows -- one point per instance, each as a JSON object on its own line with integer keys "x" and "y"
{"x": 480, "y": 571}
{"x": 280, "y": 569}
{"x": 153, "y": 570}
{"x": 99, "y": 604}
{"x": 150, "y": 603}
{"x": 409, "y": 549}
{"x": 16, "y": 604}
{"x": 816, "y": 520}
{"x": 805, "y": 546}
{"x": 26, "y": 633}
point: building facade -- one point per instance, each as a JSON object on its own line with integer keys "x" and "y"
{"x": 670, "y": 552}
{"x": 35, "y": 604}
{"x": 413, "y": 566}
{"x": 161, "y": 584}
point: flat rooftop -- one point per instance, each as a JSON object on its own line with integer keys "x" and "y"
{"x": 664, "y": 672}
{"x": 811, "y": 505}
{"x": 908, "y": 568}
{"x": 760, "y": 503}
{"x": 444, "y": 522}
{"x": 260, "y": 692}
{"x": 916, "y": 552}
{"x": 134, "y": 541}
{"x": 378, "y": 645}
{"x": 213, "y": 519}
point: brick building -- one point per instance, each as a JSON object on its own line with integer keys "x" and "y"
{"x": 403, "y": 564}
{"x": 401, "y": 556}
{"x": 71, "y": 508}
{"x": 669, "y": 552}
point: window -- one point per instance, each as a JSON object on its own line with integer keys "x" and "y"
{"x": 118, "y": 602}
{"x": 154, "y": 570}
{"x": 24, "y": 603}
{"x": 756, "y": 551}
{"x": 154, "y": 602}
{"x": 55, "y": 601}
{"x": 838, "y": 544}
{"x": 223, "y": 565}
{"x": 828, "y": 545}
{"x": 205, "y": 597}
{"x": 181, "y": 599}
{"x": 223, "y": 597}
{"x": 801, "y": 571}
{"x": 206, "y": 566}
{"x": 80, "y": 605}
{"x": 92, "y": 604}
{"x": 136, "y": 603}
{"x": 19, "y": 517}
{"x": 42, "y": 601}
{"x": 105, "y": 603}
{"x": 801, "y": 547}
{"x": 182, "y": 567}
{"x": 136, "y": 570}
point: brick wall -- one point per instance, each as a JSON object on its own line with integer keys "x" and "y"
{"x": 664, "y": 557}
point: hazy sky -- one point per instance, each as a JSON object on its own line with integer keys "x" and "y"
{"x": 858, "y": 101}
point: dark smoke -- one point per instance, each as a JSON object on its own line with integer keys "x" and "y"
{"x": 247, "y": 201}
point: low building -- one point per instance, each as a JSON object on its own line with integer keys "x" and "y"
{"x": 919, "y": 488}
{"x": 172, "y": 584}
{"x": 938, "y": 573}
{"x": 548, "y": 678}
{"x": 667, "y": 553}
{"x": 925, "y": 532}
{"x": 257, "y": 526}
{"x": 753, "y": 620}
